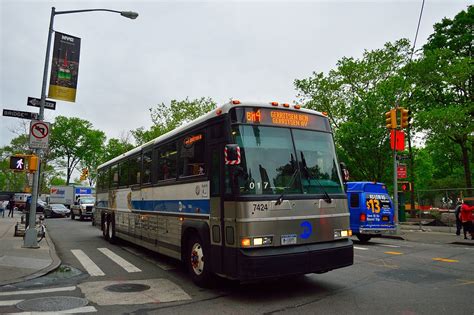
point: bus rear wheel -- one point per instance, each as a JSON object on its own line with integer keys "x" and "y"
{"x": 111, "y": 228}
{"x": 196, "y": 262}
{"x": 364, "y": 238}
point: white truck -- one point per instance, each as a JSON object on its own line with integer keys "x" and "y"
{"x": 67, "y": 195}
{"x": 83, "y": 207}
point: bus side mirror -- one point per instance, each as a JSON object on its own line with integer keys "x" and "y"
{"x": 344, "y": 172}
{"x": 232, "y": 154}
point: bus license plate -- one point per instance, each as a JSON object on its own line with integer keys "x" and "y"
{"x": 288, "y": 239}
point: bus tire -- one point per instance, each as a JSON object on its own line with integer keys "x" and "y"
{"x": 364, "y": 238}
{"x": 111, "y": 229}
{"x": 197, "y": 267}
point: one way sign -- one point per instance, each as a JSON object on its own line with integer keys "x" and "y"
{"x": 33, "y": 101}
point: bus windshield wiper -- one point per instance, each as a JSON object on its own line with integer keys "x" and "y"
{"x": 307, "y": 173}
{"x": 280, "y": 198}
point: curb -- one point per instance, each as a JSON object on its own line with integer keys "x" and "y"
{"x": 53, "y": 266}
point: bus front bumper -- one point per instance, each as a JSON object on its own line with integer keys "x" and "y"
{"x": 292, "y": 260}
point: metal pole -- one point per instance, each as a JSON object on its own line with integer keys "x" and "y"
{"x": 30, "y": 240}
{"x": 395, "y": 182}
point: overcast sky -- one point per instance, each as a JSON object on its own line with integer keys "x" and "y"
{"x": 221, "y": 49}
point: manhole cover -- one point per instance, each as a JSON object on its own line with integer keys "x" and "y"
{"x": 127, "y": 287}
{"x": 52, "y": 304}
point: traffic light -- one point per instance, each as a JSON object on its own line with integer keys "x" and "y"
{"x": 17, "y": 162}
{"x": 405, "y": 186}
{"x": 85, "y": 173}
{"x": 33, "y": 163}
{"x": 391, "y": 119}
{"x": 404, "y": 117}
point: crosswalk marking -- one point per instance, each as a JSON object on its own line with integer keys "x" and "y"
{"x": 87, "y": 263}
{"x": 119, "y": 260}
{"x": 10, "y": 303}
{"x": 85, "y": 309}
{"x": 360, "y": 248}
{"x": 72, "y": 288}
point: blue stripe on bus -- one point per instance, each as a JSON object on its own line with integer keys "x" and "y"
{"x": 186, "y": 206}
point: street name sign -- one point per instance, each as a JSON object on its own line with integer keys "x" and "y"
{"x": 39, "y": 134}
{"x": 19, "y": 114}
{"x": 33, "y": 101}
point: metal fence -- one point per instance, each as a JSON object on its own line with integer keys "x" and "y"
{"x": 436, "y": 206}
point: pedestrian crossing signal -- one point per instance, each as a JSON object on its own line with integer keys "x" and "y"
{"x": 17, "y": 163}
{"x": 405, "y": 186}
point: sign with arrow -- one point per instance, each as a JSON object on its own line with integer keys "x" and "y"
{"x": 39, "y": 134}
{"x": 33, "y": 101}
{"x": 19, "y": 114}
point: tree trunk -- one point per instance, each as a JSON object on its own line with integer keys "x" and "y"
{"x": 466, "y": 164}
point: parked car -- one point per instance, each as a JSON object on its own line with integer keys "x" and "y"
{"x": 56, "y": 210}
{"x": 40, "y": 205}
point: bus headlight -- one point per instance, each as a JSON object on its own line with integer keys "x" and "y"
{"x": 342, "y": 233}
{"x": 256, "y": 241}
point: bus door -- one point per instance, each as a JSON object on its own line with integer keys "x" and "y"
{"x": 216, "y": 219}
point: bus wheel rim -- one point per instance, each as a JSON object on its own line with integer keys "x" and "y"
{"x": 197, "y": 259}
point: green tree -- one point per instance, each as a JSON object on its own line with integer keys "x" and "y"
{"x": 355, "y": 96}
{"x": 168, "y": 117}
{"x": 443, "y": 98}
{"x": 73, "y": 140}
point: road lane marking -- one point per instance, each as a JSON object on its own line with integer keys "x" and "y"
{"x": 119, "y": 260}
{"x": 387, "y": 245}
{"x": 87, "y": 263}
{"x": 10, "y": 303}
{"x": 38, "y": 291}
{"x": 393, "y": 253}
{"x": 445, "y": 260}
{"x": 360, "y": 248}
{"x": 464, "y": 282}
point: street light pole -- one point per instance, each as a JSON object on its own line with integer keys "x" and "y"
{"x": 30, "y": 240}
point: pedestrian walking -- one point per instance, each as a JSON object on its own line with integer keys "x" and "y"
{"x": 466, "y": 217}
{"x": 457, "y": 215}
{"x": 11, "y": 205}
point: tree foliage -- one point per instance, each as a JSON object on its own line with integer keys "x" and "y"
{"x": 168, "y": 117}
{"x": 355, "y": 95}
{"x": 443, "y": 95}
{"x": 73, "y": 140}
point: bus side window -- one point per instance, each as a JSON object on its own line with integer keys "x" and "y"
{"x": 147, "y": 167}
{"x": 354, "y": 200}
{"x": 114, "y": 176}
{"x": 192, "y": 155}
{"x": 167, "y": 162}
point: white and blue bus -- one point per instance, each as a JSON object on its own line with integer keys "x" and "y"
{"x": 248, "y": 191}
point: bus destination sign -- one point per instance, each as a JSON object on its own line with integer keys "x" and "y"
{"x": 284, "y": 118}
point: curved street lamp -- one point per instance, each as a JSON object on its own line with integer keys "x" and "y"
{"x": 30, "y": 240}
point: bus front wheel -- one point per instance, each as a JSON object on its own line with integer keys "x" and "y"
{"x": 111, "y": 228}
{"x": 364, "y": 238}
{"x": 196, "y": 262}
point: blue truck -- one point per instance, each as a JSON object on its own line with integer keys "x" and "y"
{"x": 371, "y": 210}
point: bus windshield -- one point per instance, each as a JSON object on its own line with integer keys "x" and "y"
{"x": 286, "y": 161}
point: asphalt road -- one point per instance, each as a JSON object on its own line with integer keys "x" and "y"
{"x": 388, "y": 276}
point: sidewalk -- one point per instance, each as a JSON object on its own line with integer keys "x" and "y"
{"x": 431, "y": 234}
{"x": 18, "y": 264}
